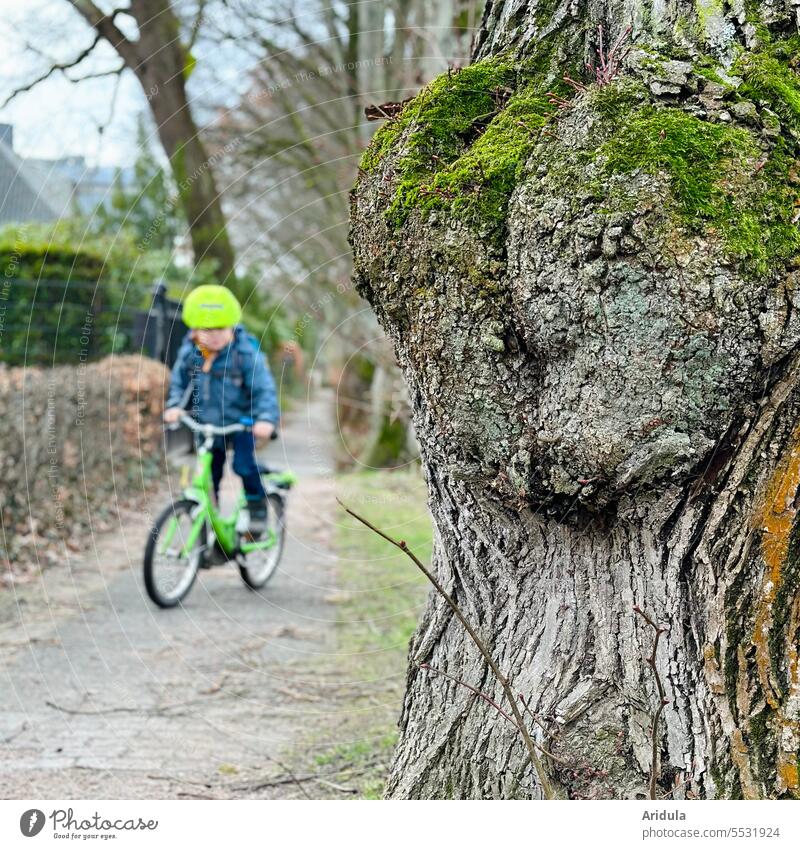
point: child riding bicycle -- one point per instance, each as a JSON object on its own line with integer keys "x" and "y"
{"x": 220, "y": 377}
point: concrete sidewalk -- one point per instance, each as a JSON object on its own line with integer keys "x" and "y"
{"x": 102, "y": 695}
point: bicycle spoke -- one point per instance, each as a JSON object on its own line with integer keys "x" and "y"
{"x": 260, "y": 558}
{"x": 168, "y": 534}
{"x": 176, "y": 558}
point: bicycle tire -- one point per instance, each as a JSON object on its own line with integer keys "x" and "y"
{"x": 157, "y": 596}
{"x": 255, "y": 578}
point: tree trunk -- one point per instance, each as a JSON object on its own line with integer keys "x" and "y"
{"x": 160, "y": 63}
{"x": 162, "y": 69}
{"x": 593, "y": 297}
{"x": 192, "y": 169}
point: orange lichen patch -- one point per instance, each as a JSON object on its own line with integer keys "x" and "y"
{"x": 739, "y": 752}
{"x": 789, "y": 715}
{"x": 788, "y": 776}
{"x": 775, "y": 520}
{"x": 741, "y": 757}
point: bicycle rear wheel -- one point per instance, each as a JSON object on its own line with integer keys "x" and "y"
{"x": 169, "y": 568}
{"x": 257, "y": 567}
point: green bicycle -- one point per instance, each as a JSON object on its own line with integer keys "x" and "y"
{"x": 190, "y": 533}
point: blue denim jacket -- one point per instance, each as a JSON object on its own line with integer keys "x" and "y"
{"x": 239, "y": 383}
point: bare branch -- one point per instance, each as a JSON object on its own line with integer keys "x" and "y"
{"x": 487, "y": 698}
{"x": 54, "y": 68}
{"x": 333, "y": 25}
{"x": 105, "y": 27}
{"x": 101, "y": 128}
{"x": 309, "y": 41}
{"x": 377, "y": 112}
{"x": 197, "y": 23}
{"x": 662, "y": 697}
{"x": 96, "y": 75}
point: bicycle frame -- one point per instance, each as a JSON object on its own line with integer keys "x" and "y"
{"x": 200, "y": 491}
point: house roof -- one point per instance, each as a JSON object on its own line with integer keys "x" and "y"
{"x": 92, "y": 185}
{"x": 29, "y": 192}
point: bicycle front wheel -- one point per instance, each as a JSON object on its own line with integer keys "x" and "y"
{"x": 258, "y": 566}
{"x": 173, "y": 554}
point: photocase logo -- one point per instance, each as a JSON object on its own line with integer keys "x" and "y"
{"x": 31, "y": 822}
{"x": 65, "y": 824}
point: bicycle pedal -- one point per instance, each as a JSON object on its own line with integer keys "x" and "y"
{"x": 214, "y": 557}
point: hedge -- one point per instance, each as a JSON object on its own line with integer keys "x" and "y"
{"x": 77, "y": 443}
{"x": 61, "y": 304}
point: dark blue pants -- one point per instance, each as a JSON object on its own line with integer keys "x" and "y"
{"x": 244, "y": 463}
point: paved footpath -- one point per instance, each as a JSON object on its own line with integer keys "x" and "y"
{"x": 102, "y": 695}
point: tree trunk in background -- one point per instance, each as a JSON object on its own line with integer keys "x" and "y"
{"x": 443, "y": 45}
{"x": 371, "y": 51}
{"x": 391, "y": 443}
{"x": 161, "y": 64}
{"x": 596, "y": 311}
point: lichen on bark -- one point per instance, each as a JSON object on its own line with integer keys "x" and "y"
{"x": 596, "y": 309}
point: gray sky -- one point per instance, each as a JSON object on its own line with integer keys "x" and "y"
{"x": 61, "y": 118}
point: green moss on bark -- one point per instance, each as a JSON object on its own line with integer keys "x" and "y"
{"x": 761, "y": 740}
{"x": 708, "y": 13}
{"x": 465, "y": 139}
{"x": 771, "y": 76}
{"x": 722, "y": 178}
{"x": 617, "y": 101}
{"x": 441, "y": 119}
{"x": 691, "y": 151}
{"x": 708, "y": 69}
{"x": 463, "y": 143}
{"x": 718, "y": 778}
{"x": 477, "y": 184}
{"x": 717, "y": 180}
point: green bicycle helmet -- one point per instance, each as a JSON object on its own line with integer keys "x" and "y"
{"x": 211, "y": 306}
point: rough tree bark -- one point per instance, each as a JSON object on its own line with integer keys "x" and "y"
{"x": 160, "y": 61}
{"x": 595, "y": 305}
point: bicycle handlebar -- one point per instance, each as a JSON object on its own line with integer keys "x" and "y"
{"x": 209, "y": 429}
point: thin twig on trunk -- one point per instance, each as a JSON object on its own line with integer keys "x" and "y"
{"x": 485, "y": 696}
{"x": 526, "y": 704}
{"x": 489, "y": 700}
{"x": 662, "y": 697}
{"x": 536, "y": 763}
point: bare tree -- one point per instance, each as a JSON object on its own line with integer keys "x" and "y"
{"x": 301, "y": 124}
{"x": 302, "y": 131}
{"x": 160, "y": 57}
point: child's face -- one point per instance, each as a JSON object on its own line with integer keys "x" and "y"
{"x": 214, "y": 339}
